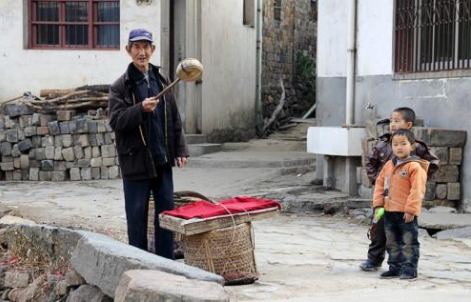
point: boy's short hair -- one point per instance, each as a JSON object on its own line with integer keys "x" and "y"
{"x": 407, "y": 114}
{"x": 404, "y": 132}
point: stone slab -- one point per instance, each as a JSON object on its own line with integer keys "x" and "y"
{"x": 102, "y": 261}
{"x": 454, "y": 233}
{"x": 444, "y": 221}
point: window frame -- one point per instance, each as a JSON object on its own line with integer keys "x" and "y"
{"x": 92, "y": 26}
{"x": 277, "y": 10}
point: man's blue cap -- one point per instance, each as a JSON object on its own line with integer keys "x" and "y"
{"x": 139, "y": 34}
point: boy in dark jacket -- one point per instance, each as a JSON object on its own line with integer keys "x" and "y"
{"x": 401, "y": 118}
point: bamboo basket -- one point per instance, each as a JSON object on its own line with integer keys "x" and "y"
{"x": 228, "y": 252}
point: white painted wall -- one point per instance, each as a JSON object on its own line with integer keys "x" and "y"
{"x": 25, "y": 69}
{"x": 229, "y": 56}
{"x": 374, "y": 37}
{"x": 332, "y": 38}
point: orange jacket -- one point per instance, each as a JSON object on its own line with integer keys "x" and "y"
{"x": 401, "y": 188}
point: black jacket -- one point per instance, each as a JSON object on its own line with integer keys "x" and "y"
{"x": 126, "y": 118}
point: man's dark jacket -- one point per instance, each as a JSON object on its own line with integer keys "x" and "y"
{"x": 382, "y": 152}
{"x": 126, "y": 118}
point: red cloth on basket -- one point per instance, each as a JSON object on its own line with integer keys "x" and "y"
{"x": 206, "y": 209}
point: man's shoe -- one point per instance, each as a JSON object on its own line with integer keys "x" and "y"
{"x": 369, "y": 266}
{"x": 408, "y": 276}
{"x": 389, "y": 275}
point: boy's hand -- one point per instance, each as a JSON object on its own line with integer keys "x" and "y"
{"x": 408, "y": 217}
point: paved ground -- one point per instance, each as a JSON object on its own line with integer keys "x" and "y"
{"x": 300, "y": 257}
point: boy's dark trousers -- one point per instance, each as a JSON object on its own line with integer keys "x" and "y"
{"x": 136, "y": 198}
{"x": 402, "y": 243}
{"x": 377, "y": 248}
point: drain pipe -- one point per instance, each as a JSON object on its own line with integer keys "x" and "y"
{"x": 351, "y": 62}
{"x": 258, "y": 66}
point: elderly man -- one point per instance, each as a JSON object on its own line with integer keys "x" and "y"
{"x": 149, "y": 140}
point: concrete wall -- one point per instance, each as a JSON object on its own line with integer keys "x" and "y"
{"x": 229, "y": 56}
{"x": 441, "y": 102}
{"x": 26, "y": 69}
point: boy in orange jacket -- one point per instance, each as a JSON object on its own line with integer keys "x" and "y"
{"x": 400, "y": 189}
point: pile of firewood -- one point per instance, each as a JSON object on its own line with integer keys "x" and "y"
{"x": 80, "y": 99}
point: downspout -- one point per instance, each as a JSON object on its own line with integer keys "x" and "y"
{"x": 351, "y": 64}
{"x": 258, "y": 66}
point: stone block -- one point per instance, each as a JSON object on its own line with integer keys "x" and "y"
{"x": 16, "y": 279}
{"x": 58, "y": 176}
{"x": 36, "y": 119}
{"x": 92, "y": 139}
{"x": 83, "y": 140}
{"x": 96, "y": 173}
{"x": 75, "y": 174}
{"x": 96, "y": 152}
{"x": 24, "y": 162}
{"x": 107, "y": 126}
{"x": 12, "y": 135}
{"x": 108, "y": 151}
{"x": 36, "y": 141}
{"x": 32, "y": 154}
{"x": 34, "y": 174}
{"x": 42, "y": 130}
{"x": 441, "y": 153}
{"x": 16, "y": 109}
{"x": 88, "y": 293}
{"x": 78, "y": 151}
{"x": 456, "y": 156}
{"x": 15, "y": 152}
{"x": 17, "y": 163}
{"x": 65, "y": 115}
{"x": 151, "y": 285}
{"x": 113, "y": 172}
{"x": 21, "y": 135}
{"x": 447, "y": 173}
{"x": 7, "y": 159}
{"x": 45, "y": 119}
{"x": 100, "y": 139}
{"x": 7, "y": 123}
{"x": 49, "y": 152}
{"x": 25, "y": 145}
{"x": 108, "y": 138}
{"x": 96, "y": 162}
{"x": 8, "y": 175}
{"x": 84, "y": 163}
{"x": 60, "y": 166}
{"x": 47, "y": 141}
{"x": 30, "y": 131}
{"x": 81, "y": 126}
{"x": 47, "y": 165}
{"x": 435, "y": 137}
{"x": 58, "y": 154}
{"x": 68, "y": 154}
{"x": 54, "y": 128}
{"x": 430, "y": 191}
{"x": 34, "y": 163}
{"x": 87, "y": 152}
{"x": 105, "y": 173}
{"x": 3, "y": 136}
{"x": 440, "y": 191}
{"x": 66, "y": 140}
{"x": 108, "y": 161}
{"x": 17, "y": 175}
{"x": 73, "y": 126}
{"x": 64, "y": 126}
{"x": 40, "y": 153}
{"x": 5, "y": 148}
{"x": 72, "y": 278}
{"x": 98, "y": 253}
{"x": 7, "y": 166}
{"x": 92, "y": 126}
{"x": 45, "y": 175}
{"x": 86, "y": 173}
{"x": 454, "y": 191}
{"x": 101, "y": 126}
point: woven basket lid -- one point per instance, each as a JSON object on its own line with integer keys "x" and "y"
{"x": 189, "y": 70}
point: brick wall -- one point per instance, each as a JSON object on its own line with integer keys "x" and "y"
{"x": 55, "y": 147}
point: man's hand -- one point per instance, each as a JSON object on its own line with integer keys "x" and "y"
{"x": 149, "y": 104}
{"x": 181, "y": 161}
{"x": 408, "y": 217}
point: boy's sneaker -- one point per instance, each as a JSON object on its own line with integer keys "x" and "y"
{"x": 390, "y": 274}
{"x": 408, "y": 276}
{"x": 369, "y": 266}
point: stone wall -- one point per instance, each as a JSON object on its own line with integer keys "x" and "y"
{"x": 282, "y": 40}
{"x": 444, "y": 188}
{"x": 58, "y": 146}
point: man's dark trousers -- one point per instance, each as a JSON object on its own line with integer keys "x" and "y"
{"x": 377, "y": 248}
{"x": 136, "y": 196}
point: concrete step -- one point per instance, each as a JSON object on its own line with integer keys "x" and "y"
{"x": 201, "y": 149}
{"x": 192, "y": 139}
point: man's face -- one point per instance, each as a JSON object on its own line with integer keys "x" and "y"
{"x": 397, "y": 122}
{"x": 140, "y": 52}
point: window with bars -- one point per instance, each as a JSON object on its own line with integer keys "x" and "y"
{"x": 78, "y": 24}
{"x": 249, "y": 13}
{"x": 277, "y": 9}
{"x": 432, "y": 35}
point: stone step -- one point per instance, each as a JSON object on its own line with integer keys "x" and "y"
{"x": 192, "y": 139}
{"x": 201, "y": 149}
